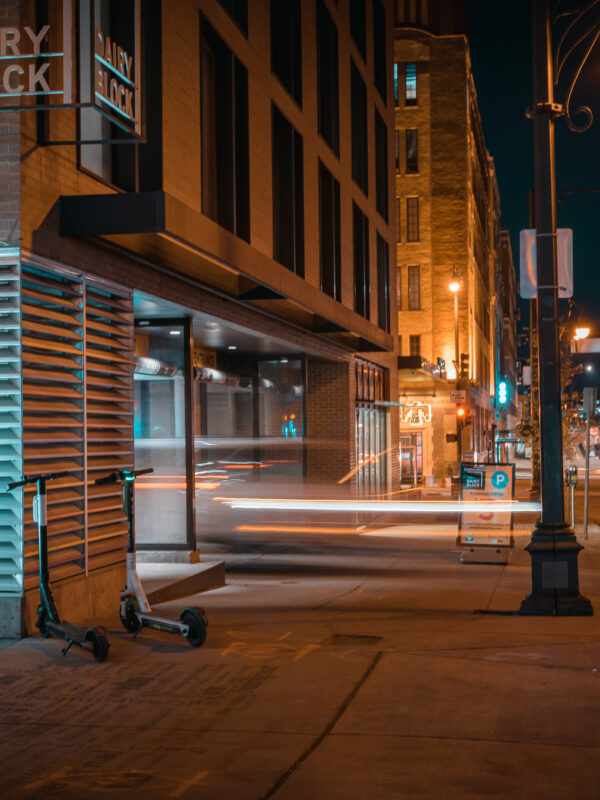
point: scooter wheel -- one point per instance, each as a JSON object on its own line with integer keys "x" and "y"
{"x": 196, "y": 625}
{"x": 99, "y": 643}
{"x": 130, "y": 620}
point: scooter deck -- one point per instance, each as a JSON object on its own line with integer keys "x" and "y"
{"x": 67, "y": 631}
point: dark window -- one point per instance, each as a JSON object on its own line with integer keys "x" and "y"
{"x": 379, "y": 49}
{"x": 327, "y": 78}
{"x": 397, "y": 150}
{"x": 410, "y": 12}
{"x": 286, "y": 45}
{"x": 383, "y": 283}
{"x": 410, "y": 84}
{"x": 399, "y": 289}
{"x": 369, "y": 381}
{"x": 358, "y": 26}
{"x": 381, "y": 166}
{"x": 398, "y": 219}
{"x": 400, "y": 345}
{"x": 288, "y": 195}
{"x": 412, "y": 219}
{"x": 412, "y": 152}
{"x": 414, "y": 344}
{"x": 360, "y": 168}
{"x": 225, "y": 159}
{"x": 238, "y": 9}
{"x": 414, "y": 288}
{"x": 329, "y": 221}
{"x": 361, "y": 262}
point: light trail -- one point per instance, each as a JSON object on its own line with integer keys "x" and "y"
{"x": 382, "y": 506}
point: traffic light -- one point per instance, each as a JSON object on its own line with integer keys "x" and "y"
{"x": 464, "y": 365}
{"x": 502, "y": 392}
{"x": 463, "y": 415}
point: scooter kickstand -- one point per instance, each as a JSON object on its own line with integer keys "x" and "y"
{"x": 138, "y": 630}
{"x": 66, "y": 649}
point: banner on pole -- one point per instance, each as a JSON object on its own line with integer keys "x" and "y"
{"x": 528, "y": 262}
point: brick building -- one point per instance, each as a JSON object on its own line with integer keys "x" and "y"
{"x": 211, "y": 295}
{"x": 447, "y": 221}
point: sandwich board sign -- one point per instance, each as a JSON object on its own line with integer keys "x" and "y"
{"x": 486, "y": 482}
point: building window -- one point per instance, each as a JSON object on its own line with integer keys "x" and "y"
{"x": 361, "y": 262}
{"x": 412, "y": 219}
{"x": 412, "y": 152}
{"x": 286, "y": 45}
{"x": 410, "y": 12}
{"x": 329, "y": 220}
{"x": 327, "y": 78}
{"x": 383, "y": 283}
{"x": 414, "y": 288}
{"x": 381, "y": 166}
{"x": 369, "y": 381}
{"x": 414, "y": 343}
{"x": 398, "y": 219}
{"x": 238, "y": 9}
{"x": 400, "y": 345}
{"x": 358, "y": 28}
{"x": 399, "y": 289}
{"x": 225, "y": 150}
{"x": 360, "y": 169}
{"x": 288, "y": 194}
{"x": 410, "y": 84}
{"x": 397, "y": 150}
{"x": 379, "y": 49}
{"x": 396, "y": 83}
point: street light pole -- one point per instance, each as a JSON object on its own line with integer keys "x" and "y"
{"x": 553, "y": 547}
{"x": 454, "y": 288}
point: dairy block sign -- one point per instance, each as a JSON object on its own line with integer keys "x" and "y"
{"x": 486, "y": 482}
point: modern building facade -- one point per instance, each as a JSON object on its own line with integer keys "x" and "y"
{"x": 197, "y": 249}
{"x": 448, "y": 226}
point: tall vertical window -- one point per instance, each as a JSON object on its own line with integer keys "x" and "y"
{"x": 286, "y": 45}
{"x": 400, "y": 345}
{"x": 410, "y": 12}
{"x": 327, "y": 77}
{"x": 288, "y": 194}
{"x": 397, "y": 151}
{"x": 381, "y": 166}
{"x": 238, "y": 9}
{"x": 410, "y": 84}
{"x": 358, "y": 28}
{"x": 412, "y": 152}
{"x": 361, "y": 262}
{"x": 383, "y": 283}
{"x": 398, "y": 219}
{"x": 225, "y": 151}
{"x": 396, "y": 83}
{"x": 399, "y": 289}
{"x": 414, "y": 344}
{"x": 329, "y": 223}
{"x": 412, "y": 219}
{"x": 358, "y": 101}
{"x": 379, "y": 49}
{"x": 414, "y": 288}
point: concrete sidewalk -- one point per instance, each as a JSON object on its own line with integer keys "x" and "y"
{"x": 360, "y": 668}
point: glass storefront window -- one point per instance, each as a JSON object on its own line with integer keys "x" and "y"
{"x": 159, "y": 435}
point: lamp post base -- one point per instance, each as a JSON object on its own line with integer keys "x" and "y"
{"x": 554, "y": 574}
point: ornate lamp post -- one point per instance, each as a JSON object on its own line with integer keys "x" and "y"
{"x": 553, "y": 547}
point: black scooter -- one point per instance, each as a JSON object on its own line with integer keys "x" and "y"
{"x": 135, "y": 611}
{"x": 48, "y": 620}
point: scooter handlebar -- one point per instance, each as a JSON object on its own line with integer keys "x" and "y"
{"x": 28, "y": 479}
{"x": 115, "y": 477}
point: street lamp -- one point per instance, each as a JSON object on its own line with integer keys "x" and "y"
{"x": 553, "y": 547}
{"x": 454, "y": 288}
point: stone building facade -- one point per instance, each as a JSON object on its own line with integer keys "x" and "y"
{"x": 448, "y": 223}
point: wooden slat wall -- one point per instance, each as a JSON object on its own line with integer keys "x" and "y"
{"x": 53, "y": 409}
{"x": 11, "y": 467}
{"x": 109, "y": 425}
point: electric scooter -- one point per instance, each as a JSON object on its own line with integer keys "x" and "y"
{"x": 135, "y": 611}
{"x": 48, "y": 620}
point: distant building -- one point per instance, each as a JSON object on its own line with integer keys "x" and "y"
{"x": 448, "y": 224}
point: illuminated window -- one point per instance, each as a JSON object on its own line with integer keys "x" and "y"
{"x": 412, "y": 153}
{"x": 398, "y": 218}
{"x": 414, "y": 288}
{"x": 396, "y": 84}
{"x": 410, "y": 79}
{"x": 399, "y": 289}
{"x": 414, "y": 343}
{"x": 412, "y": 219}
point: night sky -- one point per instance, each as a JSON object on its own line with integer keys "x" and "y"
{"x": 500, "y": 42}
